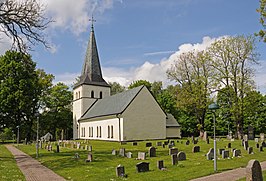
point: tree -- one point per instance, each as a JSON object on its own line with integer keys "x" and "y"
{"x": 57, "y": 117}
{"x": 262, "y": 11}
{"x": 21, "y": 87}
{"x": 6, "y": 134}
{"x": 23, "y": 20}
{"x": 232, "y": 58}
{"x": 191, "y": 71}
{"x": 116, "y": 88}
{"x": 138, "y": 83}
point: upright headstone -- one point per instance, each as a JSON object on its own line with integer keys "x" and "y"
{"x": 221, "y": 150}
{"x": 89, "y": 159}
{"x": 229, "y": 145}
{"x": 174, "y": 159}
{"x": 152, "y": 151}
{"x": 256, "y": 140}
{"x": 236, "y": 153}
{"x": 253, "y": 171}
{"x": 129, "y": 154}
{"x": 181, "y": 156}
{"x": 166, "y": 143}
{"x": 245, "y": 137}
{"x": 86, "y": 147}
{"x": 57, "y": 149}
{"x": 262, "y": 136}
{"x": 113, "y": 152}
{"x": 187, "y": 142}
{"x": 210, "y": 154}
{"x": 250, "y": 150}
{"x": 196, "y": 149}
{"x": 257, "y": 145}
{"x": 159, "y": 143}
{"x": 250, "y": 133}
{"x": 122, "y": 152}
{"x": 160, "y": 164}
{"x": 263, "y": 144}
{"x": 149, "y": 144}
{"x": 142, "y": 167}
{"x": 173, "y": 151}
{"x": 135, "y": 143}
{"x": 90, "y": 148}
{"x": 225, "y": 154}
{"x": 170, "y": 146}
{"x": 261, "y": 148}
{"x": 120, "y": 171}
{"x": 172, "y": 143}
{"x": 208, "y": 141}
{"x": 141, "y": 156}
{"x": 246, "y": 145}
{"x": 205, "y": 136}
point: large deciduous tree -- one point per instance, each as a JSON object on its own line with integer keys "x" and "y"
{"x": 23, "y": 21}
{"x": 262, "y": 11}
{"x": 116, "y": 88}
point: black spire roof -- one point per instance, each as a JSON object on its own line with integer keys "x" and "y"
{"x": 91, "y": 73}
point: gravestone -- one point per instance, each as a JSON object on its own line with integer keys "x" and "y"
{"x": 86, "y": 147}
{"x": 250, "y": 150}
{"x": 263, "y": 144}
{"x": 256, "y": 140}
{"x": 205, "y": 136}
{"x": 122, "y": 152}
{"x": 225, "y": 154}
{"x": 210, "y": 154}
{"x": 76, "y": 156}
{"x": 141, "y": 156}
{"x": 261, "y": 148}
{"x": 196, "y": 149}
{"x": 113, "y": 152}
{"x": 50, "y": 148}
{"x": 236, "y": 153}
{"x": 195, "y": 142}
{"x": 181, "y": 156}
{"x": 160, "y": 164}
{"x": 78, "y": 146}
{"x": 221, "y": 150}
{"x": 170, "y": 146}
{"x": 250, "y": 133}
{"x": 262, "y": 136}
{"x": 208, "y": 141}
{"x": 89, "y": 159}
{"x": 166, "y": 143}
{"x": 229, "y": 145}
{"x": 246, "y": 145}
{"x": 135, "y": 143}
{"x": 152, "y": 151}
{"x": 90, "y": 148}
{"x": 245, "y": 137}
{"x": 172, "y": 143}
{"x": 253, "y": 171}
{"x": 163, "y": 145}
{"x": 173, "y": 151}
{"x": 258, "y": 145}
{"x": 120, "y": 171}
{"x": 159, "y": 143}
{"x": 149, "y": 144}
{"x": 129, "y": 154}
{"x": 142, "y": 167}
{"x": 57, "y": 149}
{"x": 174, "y": 159}
{"x": 187, "y": 142}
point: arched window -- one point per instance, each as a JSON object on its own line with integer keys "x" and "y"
{"x": 100, "y": 132}
{"x": 108, "y": 133}
{"x": 91, "y": 131}
{"x": 101, "y": 94}
{"x": 92, "y": 94}
{"x": 112, "y": 131}
{"x": 79, "y": 94}
{"x": 97, "y": 132}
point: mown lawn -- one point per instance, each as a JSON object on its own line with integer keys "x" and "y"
{"x": 8, "y": 167}
{"x": 104, "y": 163}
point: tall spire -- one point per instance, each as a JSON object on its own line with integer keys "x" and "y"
{"x": 91, "y": 73}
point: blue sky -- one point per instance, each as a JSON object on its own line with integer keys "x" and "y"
{"x": 137, "y": 38}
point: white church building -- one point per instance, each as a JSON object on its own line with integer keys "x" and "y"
{"x": 127, "y": 116}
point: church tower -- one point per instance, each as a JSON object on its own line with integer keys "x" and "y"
{"x": 90, "y": 86}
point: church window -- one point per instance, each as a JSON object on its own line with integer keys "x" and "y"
{"x": 108, "y": 133}
{"x": 101, "y": 94}
{"x": 79, "y": 94}
{"x": 100, "y": 131}
{"x": 97, "y": 132}
{"x": 112, "y": 131}
{"x": 92, "y": 94}
{"x": 76, "y": 95}
{"x": 83, "y": 132}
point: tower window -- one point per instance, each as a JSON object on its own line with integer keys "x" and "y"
{"x": 92, "y": 94}
{"x": 76, "y": 95}
{"x": 101, "y": 94}
{"x": 79, "y": 94}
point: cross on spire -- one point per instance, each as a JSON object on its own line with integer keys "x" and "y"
{"x": 92, "y": 20}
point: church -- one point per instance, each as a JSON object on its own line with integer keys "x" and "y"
{"x": 128, "y": 116}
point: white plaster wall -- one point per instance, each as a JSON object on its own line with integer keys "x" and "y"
{"x": 173, "y": 132}
{"x": 86, "y": 91}
{"x": 144, "y": 119}
{"x": 104, "y": 128}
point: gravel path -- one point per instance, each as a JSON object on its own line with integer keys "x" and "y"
{"x": 31, "y": 168}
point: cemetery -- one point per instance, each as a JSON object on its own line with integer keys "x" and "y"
{"x": 102, "y": 160}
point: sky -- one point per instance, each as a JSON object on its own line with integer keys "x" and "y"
{"x": 140, "y": 39}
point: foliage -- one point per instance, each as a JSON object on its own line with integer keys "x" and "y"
{"x": 23, "y": 21}
{"x": 262, "y": 11}
{"x": 138, "y": 83}
{"x": 6, "y": 134}
{"x": 57, "y": 116}
{"x": 116, "y": 88}
{"x": 104, "y": 163}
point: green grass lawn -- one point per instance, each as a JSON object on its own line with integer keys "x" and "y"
{"x": 104, "y": 163}
{"x": 8, "y": 167}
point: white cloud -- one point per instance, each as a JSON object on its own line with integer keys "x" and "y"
{"x": 5, "y": 42}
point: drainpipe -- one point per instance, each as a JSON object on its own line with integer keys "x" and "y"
{"x": 119, "y": 127}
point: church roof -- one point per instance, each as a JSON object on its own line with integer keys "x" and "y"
{"x": 91, "y": 71}
{"x": 171, "y": 121}
{"x": 112, "y": 105}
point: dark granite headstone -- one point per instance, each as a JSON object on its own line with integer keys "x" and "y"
{"x": 225, "y": 154}
{"x": 166, "y": 143}
{"x": 221, "y": 150}
{"x": 229, "y": 145}
{"x": 170, "y": 146}
{"x": 159, "y": 143}
{"x": 142, "y": 167}
{"x": 250, "y": 133}
{"x": 173, "y": 151}
{"x": 246, "y": 145}
{"x": 152, "y": 151}
{"x": 160, "y": 164}
{"x": 135, "y": 143}
{"x": 253, "y": 171}
{"x": 258, "y": 145}
{"x": 261, "y": 148}
{"x": 181, "y": 156}
{"x": 208, "y": 141}
{"x": 120, "y": 171}
{"x": 196, "y": 149}
{"x": 210, "y": 154}
{"x": 149, "y": 144}
{"x": 263, "y": 144}
{"x": 250, "y": 150}
{"x": 57, "y": 149}
{"x": 236, "y": 153}
{"x": 174, "y": 159}
{"x": 187, "y": 142}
